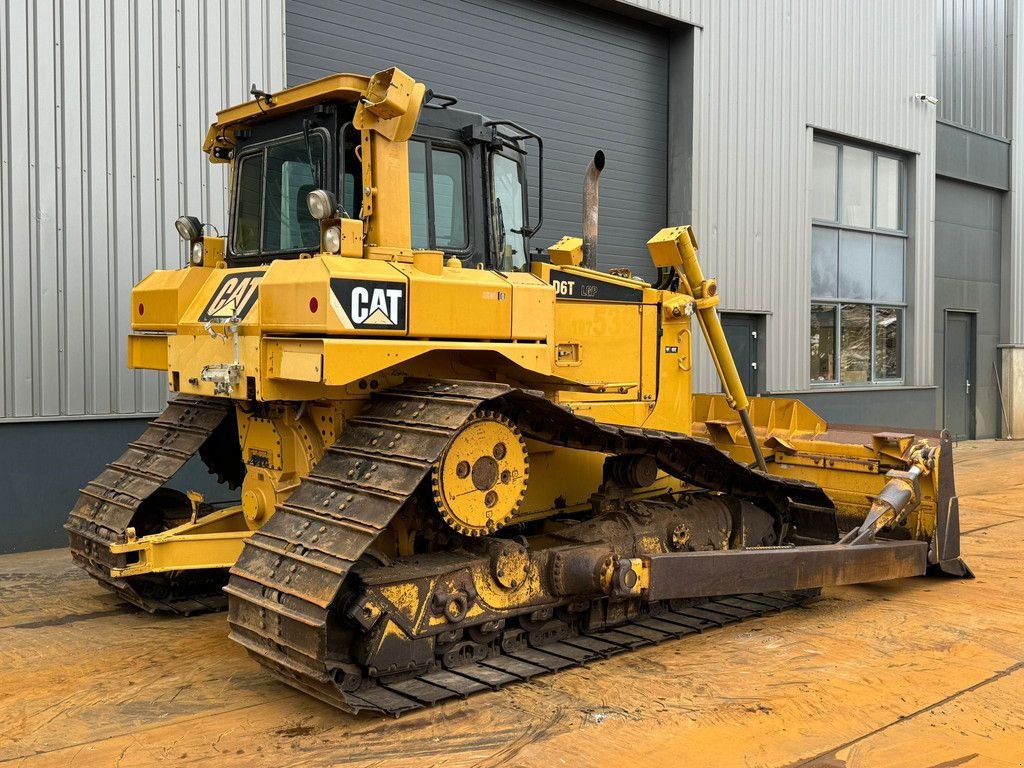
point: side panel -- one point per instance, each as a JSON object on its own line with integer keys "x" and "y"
{"x": 598, "y": 344}
{"x": 459, "y": 303}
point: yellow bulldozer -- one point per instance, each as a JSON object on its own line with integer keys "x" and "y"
{"x": 464, "y": 461}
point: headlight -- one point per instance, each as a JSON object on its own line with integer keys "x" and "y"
{"x": 197, "y": 253}
{"x": 189, "y": 227}
{"x": 321, "y": 204}
{"x": 332, "y": 240}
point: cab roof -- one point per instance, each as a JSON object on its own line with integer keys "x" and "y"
{"x": 388, "y": 99}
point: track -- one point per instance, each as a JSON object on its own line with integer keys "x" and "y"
{"x": 507, "y": 667}
{"x": 288, "y": 590}
{"x": 108, "y": 505}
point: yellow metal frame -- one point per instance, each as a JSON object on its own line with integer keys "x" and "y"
{"x": 849, "y": 465}
{"x": 212, "y": 541}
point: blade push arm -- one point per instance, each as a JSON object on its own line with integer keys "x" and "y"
{"x": 676, "y": 248}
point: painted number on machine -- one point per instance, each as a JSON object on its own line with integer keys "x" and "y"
{"x": 370, "y": 303}
{"x": 563, "y": 287}
{"x": 233, "y": 298}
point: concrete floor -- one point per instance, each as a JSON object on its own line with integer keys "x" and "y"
{"x": 917, "y": 673}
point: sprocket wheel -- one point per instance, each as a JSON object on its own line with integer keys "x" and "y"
{"x": 480, "y": 479}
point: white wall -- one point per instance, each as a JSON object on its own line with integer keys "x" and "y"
{"x": 104, "y": 109}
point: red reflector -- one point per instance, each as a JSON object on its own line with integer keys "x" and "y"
{"x": 314, "y": 305}
{"x": 142, "y": 309}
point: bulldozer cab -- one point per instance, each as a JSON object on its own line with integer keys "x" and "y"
{"x": 466, "y": 179}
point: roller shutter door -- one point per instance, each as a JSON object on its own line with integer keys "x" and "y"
{"x": 583, "y": 78}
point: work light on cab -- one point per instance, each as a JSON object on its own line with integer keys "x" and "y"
{"x": 189, "y": 228}
{"x": 322, "y": 204}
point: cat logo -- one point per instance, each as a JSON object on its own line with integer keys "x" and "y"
{"x": 378, "y": 306}
{"x": 370, "y": 304}
{"x": 234, "y": 298}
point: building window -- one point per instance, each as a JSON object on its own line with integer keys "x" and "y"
{"x": 858, "y": 265}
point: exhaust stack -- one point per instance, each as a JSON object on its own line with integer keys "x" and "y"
{"x": 590, "y": 205}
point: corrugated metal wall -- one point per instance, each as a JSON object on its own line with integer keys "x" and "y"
{"x": 1014, "y": 332}
{"x": 105, "y": 108}
{"x": 108, "y": 105}
{"x": 766, "y": 73}
{"x": 973, "y": 57}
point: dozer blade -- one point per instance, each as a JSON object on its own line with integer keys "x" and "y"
{"x": 944, "y": 554}
{"x": 851, "y": 464}
{"x": 729, "y": 572}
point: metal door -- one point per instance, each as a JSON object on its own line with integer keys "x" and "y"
{"x": 958, "y": 378}
{"x": 742, "y": 331}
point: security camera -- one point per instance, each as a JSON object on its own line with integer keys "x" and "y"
{"x": 925, "y": 97}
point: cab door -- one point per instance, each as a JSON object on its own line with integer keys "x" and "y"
{"x": 508, "y": 214}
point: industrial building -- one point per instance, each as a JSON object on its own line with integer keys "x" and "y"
{"x": 847, "y": 165}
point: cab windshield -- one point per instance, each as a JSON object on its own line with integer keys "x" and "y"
{"x": 271, "y": 184}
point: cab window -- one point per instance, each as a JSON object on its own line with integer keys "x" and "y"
{"x": 352, "y": 173}
{"x": 437, "y": 197}
{"x": 249, "y": 194}
{"x": 271, "y": 185}
{"x": 508, "y": 212}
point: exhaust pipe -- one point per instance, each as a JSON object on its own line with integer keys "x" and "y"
{"x": 590, "y": 204}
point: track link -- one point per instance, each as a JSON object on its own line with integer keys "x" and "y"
{"x": 288, "y": 590}
{"x": 505, "y": 668}
{"x": 107, "y": 505}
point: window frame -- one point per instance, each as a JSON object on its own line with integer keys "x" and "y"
{"x": 236, "y": 193}
{"x": 837, "y": 302}
{"x": 837, "y": 223}
{"x": 262, "y": 148}
{"x": 430, "y": 144}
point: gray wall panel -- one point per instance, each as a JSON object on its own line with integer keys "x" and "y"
{"x": 106, "y": 105}
{"x": 905, "y": 408}
{"x": 968, "y": 262}
{"x": 973, "y": 63}
{"x": 583, "y": 78}
{"x": 969, "y": 156}
{"x": 42, "y": 466}
{"x": 1013, "y": 329}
